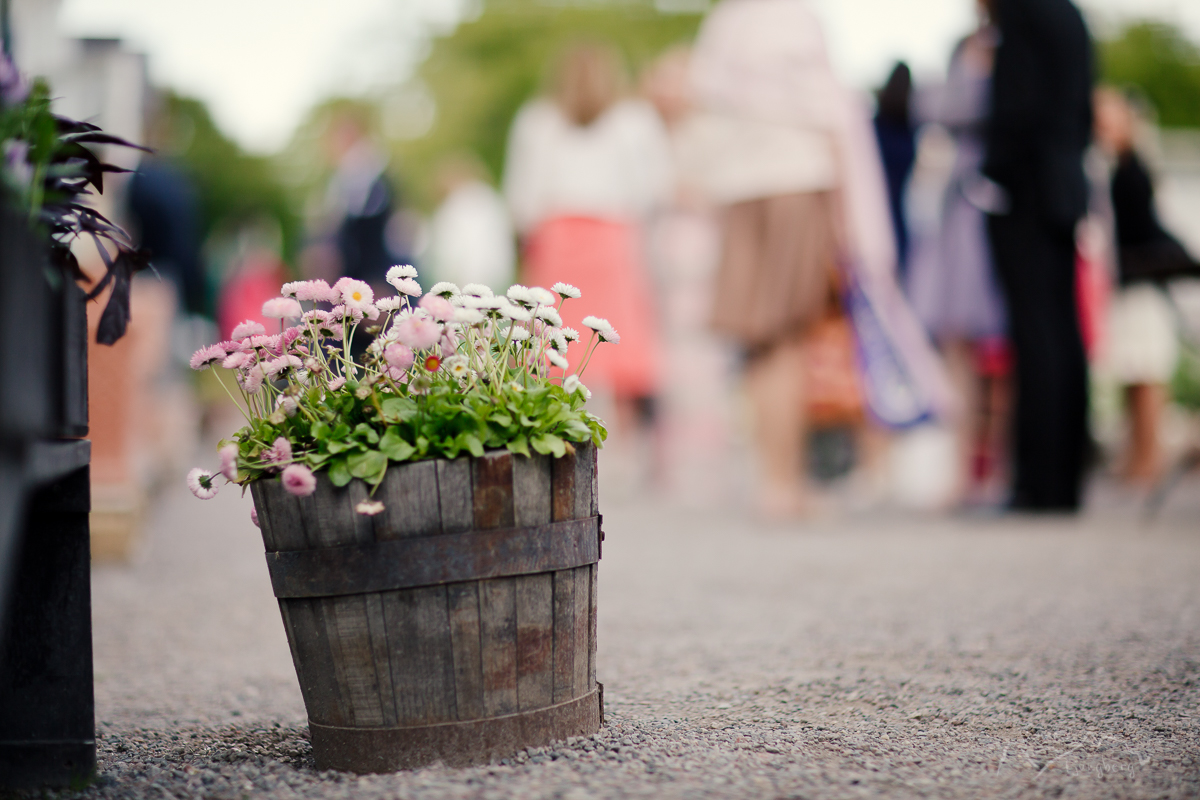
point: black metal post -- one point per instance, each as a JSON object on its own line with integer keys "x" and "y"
{"x": 47, "y": 715}
{"x": 47, "y": 707}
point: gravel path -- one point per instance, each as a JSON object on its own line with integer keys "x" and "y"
{"x": 871, "y": 656}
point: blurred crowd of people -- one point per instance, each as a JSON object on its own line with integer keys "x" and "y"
{"x": 742, "y": 218}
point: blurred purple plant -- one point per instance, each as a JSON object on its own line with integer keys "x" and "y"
{"x": 14, "y": 88}
{"x": 48, "y": 170}
{"x": 16, "y": 161}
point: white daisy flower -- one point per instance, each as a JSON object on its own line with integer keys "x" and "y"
{"x": 520, "y": 294}
{"x": 572, "y": 385}
{"x": 408, "y": 286}
{"x": 477, "y": 290}
{"x": 356, "y": 295}
{"x": 543, "y": 297}
{"x": 484, "y": 303}
{"x": 519, "y": 334}
{"x": 570, "y": 334}
{"x": 549, "y": 314}
{"x": 556, "y": 359}
{"x": 565, "y": 290}
{"x": 558, "y": 341}
{"x": 400, "y": 272}
{"x": 603, "y": 329}
{"x": 457, "y": 366}
{"x": 468, "y": 316}
{"x": 515, "y": 312}
{"x": 445, "y": 289}
{"x": 388, "y": 304}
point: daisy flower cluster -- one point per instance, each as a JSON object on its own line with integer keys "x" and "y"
{"x": 447, "y": 371}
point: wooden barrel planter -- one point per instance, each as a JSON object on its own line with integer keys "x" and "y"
{"x": 458, "y": 625}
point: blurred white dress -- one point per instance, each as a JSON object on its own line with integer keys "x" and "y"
{"x": 472, "y": 238}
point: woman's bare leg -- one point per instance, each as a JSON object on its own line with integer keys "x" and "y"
{"x": 1145, "y": 404}
{"x": 775, "y": 384}
{"x": 960, "y": 363}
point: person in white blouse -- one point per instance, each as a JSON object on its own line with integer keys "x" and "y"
{"x": 585, "y": 167}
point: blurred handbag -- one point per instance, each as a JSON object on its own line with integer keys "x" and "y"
{"x": 902, "y": 377}
{"x": 832, "y": 391}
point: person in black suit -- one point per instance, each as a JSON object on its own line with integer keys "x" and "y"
{"x": 1040, "y": 125}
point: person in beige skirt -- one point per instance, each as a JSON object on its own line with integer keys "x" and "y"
{"x": 770, "y": 108}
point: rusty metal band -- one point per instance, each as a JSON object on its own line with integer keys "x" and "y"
{"x": 455, "y": 744}
{"x": 432, "y": 560}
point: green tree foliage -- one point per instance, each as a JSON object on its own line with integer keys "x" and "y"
{"x": 234, "y": 186}
{"x": 1160, "y": 61}
{"x": 481, "y": 73}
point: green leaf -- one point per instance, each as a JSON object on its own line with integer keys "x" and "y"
{"x": 519, "y": 445}
{"x": 472, "y": 443}
{"x": 548, "y": 443}
{"x": 343, "y": 446}
{"x": 502, "y": 419}
{"x": 365, "y": 432}
{"x": 394, "y": 447}
{"x": 577, "y": 430}
{"x": 399, "y": 409}
{"x": 367, "y": 465}
{"x": 321, "y": 430}
{"x": 339, "y": 473}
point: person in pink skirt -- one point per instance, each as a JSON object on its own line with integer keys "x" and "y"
{"x": 585, "y": 168}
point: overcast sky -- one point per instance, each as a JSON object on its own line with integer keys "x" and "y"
{"x": 261, "y": 64}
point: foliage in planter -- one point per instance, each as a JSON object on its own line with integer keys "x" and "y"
{"x": 48, "y": 170}
{"x": 459, "y": 372}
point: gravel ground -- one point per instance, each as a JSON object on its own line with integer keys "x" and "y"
{"x": 876, "y": 655}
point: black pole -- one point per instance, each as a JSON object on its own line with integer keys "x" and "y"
{"x": 47, "y": 712}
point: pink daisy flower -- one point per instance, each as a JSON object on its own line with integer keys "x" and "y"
{"x": 438, "y": 307}
{"x": 229, "y": 458}
{"x": 290, "y": 335}
{"x": 282, "y": 308}
{"x": 252, "y": 379}
{"x": 337, "y": 383}
{"x": 398, "y": 356}
{"x": 418, "y": 333}
{"x": 254, "y": 516}
{"x": 205, "y": 357}
{"x": 279, "y": 453}
{"x": 236, "y": 360}
{"x": 248, "y": 328}
{"x": 299, "y": 480}
{"x": 317, "y": 291}
{"x": 200, "y": 481}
